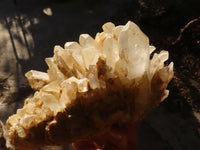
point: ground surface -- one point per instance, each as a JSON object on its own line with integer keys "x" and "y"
{"x": 28, "y": 33}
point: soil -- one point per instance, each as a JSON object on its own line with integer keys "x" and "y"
{"x": 28, "y": 33}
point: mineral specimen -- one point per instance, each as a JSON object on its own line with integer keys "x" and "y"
{"x": 90, "y": 86}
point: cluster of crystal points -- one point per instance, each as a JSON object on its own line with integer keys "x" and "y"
{"x": 123, "y": 51}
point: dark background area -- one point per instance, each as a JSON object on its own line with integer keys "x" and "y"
{"x": 173, "y": 25}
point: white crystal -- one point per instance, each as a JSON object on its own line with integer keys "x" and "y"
{"x": 120, "y": 54}
{"x": 91, "y": 50}
{"x": 93, "y": 81}
{"x": 111, "y": 51}
{"x": 72, "y": 45}
{"x": 26, "y": 122}
{"x": 151, "y": 49}
{"x": 166, "y": 73}
{"x": 117, "y": 31}
{"x": 64, "y": 60}
{"x": 86, "y": 40}
{"x": 133, "y": 49}
{"x": 108, "y": 27}
{"x": 82, "y": 84}
{"x": 75, "y": 50}
{"x": 52, "y": 88}
{"x": 90, "y": 56}
{"x": 74, "y": 69}
{"x": 21, "y": 132}
{"x": 157, "y": 62}
{"x": 69, "y": 91}
{"x": 50, "y": 101}
{"x": 53, "y": 72}
{"x": 37, "y": 79}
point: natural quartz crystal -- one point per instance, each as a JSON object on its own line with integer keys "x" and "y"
{"x": 122, "y": 51}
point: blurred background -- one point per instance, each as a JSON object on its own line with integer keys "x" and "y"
{"x": 29, "y": 30}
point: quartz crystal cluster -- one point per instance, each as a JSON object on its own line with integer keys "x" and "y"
{"x": 90, "y": 86}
